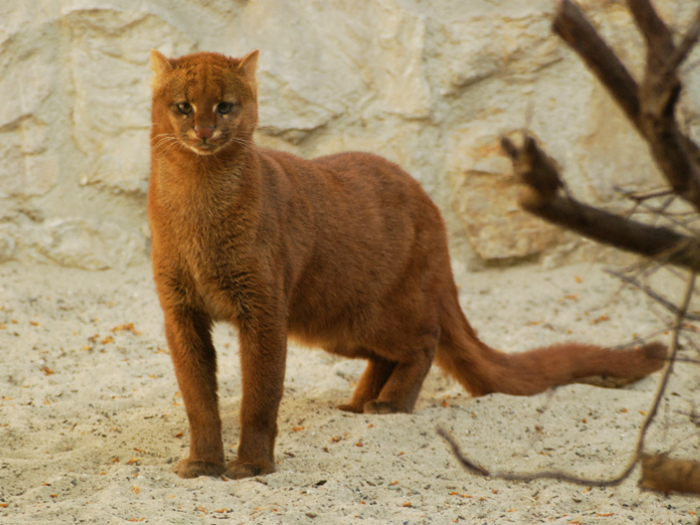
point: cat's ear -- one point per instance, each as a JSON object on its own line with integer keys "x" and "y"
{"x": 160, "y": 67}
{"x": 247, "y": 67}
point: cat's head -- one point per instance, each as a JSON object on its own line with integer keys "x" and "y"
{"x": 206, "y": 102}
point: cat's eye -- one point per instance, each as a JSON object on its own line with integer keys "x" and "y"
{"x": 225, "y": 108}
{"x": 185, "y": 108}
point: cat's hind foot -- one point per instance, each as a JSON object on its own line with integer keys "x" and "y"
{"x": 192, "y": 469}
{"x": 382, "y": 407}
{"x": 349, "y": 407}
{"x": 239, "y": 470}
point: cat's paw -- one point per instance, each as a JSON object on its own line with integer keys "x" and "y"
{"x": 349, "y": 407}
{"x": 381, "y": 407}
{"x": 239, "y": 470}
{"x": 193, "y": 469}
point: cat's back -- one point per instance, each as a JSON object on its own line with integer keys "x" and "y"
{"x": 367, "y": 166}
{"x": 356, "y": 177}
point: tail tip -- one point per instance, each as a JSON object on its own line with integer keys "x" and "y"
{"x": 656, "y": 353}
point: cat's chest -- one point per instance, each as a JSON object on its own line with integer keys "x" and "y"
{"x": 211, "y": 242}
{"x": 221, "y": 277}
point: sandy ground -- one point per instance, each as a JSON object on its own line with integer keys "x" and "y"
{"x": 91, "y": 421}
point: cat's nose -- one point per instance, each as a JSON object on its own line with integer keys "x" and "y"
{"x": 204, "y": 132}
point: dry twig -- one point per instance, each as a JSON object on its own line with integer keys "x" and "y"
{"x": 650, "y": 107}
{"x": 638, "y": 452}
{"x": 539, "y": 176}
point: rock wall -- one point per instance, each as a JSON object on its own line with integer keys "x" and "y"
{"x": 428, "y": 84}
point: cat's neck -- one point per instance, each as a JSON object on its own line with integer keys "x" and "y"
{"x": 206, "y": 186}
{"x": 220, "y": 168}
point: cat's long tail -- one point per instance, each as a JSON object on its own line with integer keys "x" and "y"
{"x": 482, "y": 370}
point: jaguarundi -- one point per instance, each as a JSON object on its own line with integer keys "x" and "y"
{"x": 345, "y": 252}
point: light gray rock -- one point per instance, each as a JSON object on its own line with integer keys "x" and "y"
{"x": 429, "y": 84}
{"x": 486, "y": 199}
{"x": 80, "y": 243}
{"x": 109, "y": 70}
{"x": 7, "y": 244}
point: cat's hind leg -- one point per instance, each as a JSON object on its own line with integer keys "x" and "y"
{"x": 370, "y": 384}
{"x": 400, "y": 392}
{"x": 413, "y": 352}
{"x": 398, "y": 362}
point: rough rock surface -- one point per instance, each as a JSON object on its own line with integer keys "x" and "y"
{"x": 430, "y": 85}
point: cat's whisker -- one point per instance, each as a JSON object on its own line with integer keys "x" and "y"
{"x": 166, "y": 143}
{"x": 167, "y": 148}
{"x": 160, "y": 139}
{"x": 162, "y": 145}
{"x": 246, "y": 143}
{"x": 173, "y": 144}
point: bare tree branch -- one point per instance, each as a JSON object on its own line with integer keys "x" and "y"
{"x": 644, "y": 195}
{"x": 541, "y": 180}
{"x": 650, "y": 107}
{"x": 643, "y": 206}
{"x": 573, "y": 27}
{"x": 657, "y": 35}
{"x": 638, "y": 452}
{"x": 677, "y": 327}
{"x": 688, "y": 42}
{"x": 474, "y": 468}
{"x": 656, "y": 297}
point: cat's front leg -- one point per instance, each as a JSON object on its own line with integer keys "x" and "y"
{"x": 263, "y": 352}
{"x": 194, "y": 359}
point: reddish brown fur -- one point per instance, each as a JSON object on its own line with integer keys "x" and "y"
{"x": 345, "y": 252}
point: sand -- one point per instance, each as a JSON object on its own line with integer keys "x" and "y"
{"x": 91, "y": 421}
